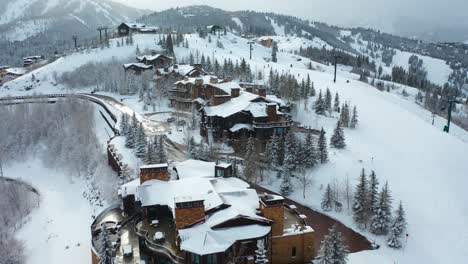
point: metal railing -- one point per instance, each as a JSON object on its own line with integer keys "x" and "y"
{"x": 272, "y": 124}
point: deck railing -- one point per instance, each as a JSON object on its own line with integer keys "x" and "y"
{"x": 272, "y": 124}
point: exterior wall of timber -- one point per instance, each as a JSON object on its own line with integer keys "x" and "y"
{"x": 275, "y": 213}
{"x": 159, "y": 175}
{"x": 283, "y": 247}
{"x": 185, "y": 217}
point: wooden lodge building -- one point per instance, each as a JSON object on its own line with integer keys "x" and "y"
{"x": 199, "y": 214}
{"x": 158, "y": 61}
{"x": 137, "y": 68}
{"x": 125, "y": 29}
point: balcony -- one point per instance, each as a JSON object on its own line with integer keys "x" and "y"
{"x": 272, "y": 124}
{"x": 165, "y": 247}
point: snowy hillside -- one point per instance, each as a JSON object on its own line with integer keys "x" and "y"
{"x": 425, "y": 168}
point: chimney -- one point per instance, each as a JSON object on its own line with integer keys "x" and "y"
{"x": 213, "y": 80}
{"x": 227, "y": 79}
{"x": 220, "y": 99}
{"x": 235, "y": 92}
{"x": 223, "y": 170}
{"x": 198, "y": 82}
{"x": 271, "y": 112}
{"x": 154, "y": 172}
{"x": 188, "y": 211}
{"x": 272, "y": 207}
{"x": 261, "y": 92}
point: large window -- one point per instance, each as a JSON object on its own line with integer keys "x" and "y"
{"x": 293, "y": 252}
{"x": 212, "y": 259}
{"x": 194, "y": 258}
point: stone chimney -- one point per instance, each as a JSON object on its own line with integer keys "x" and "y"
{"x": 213, "y": 80}
{"x": 235, "y": 92}
{"x": 271, "y": 112}
{"x": 223, "y": 170}
{"x": 272, "y": 207}
{"x": 199, "y": 82}
{"x": 188, "y": 211}
{"x": 261, "y": 92}
{"x": 154, "y": 172}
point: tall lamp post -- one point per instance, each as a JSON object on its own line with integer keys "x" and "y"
{"x": 336, "y": 62}
{"x": 251, "y": 47}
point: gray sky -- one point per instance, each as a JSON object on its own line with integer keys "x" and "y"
{"x": 388, "y": 15}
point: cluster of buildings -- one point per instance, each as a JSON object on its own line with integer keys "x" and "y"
{"x": 196, "y": 212}
{"x": 127, "y": 28}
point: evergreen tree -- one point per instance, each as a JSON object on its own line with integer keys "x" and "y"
{"x": 338, "y": 140}
{"x": 310, "y": 152}
{"x": 140, "y": 144}
{"x": 250, "y": 157}
{"x": 169, "y": 44}
{"x": 327, "y": 200}
{"x": 354, "y": 119}
{"x": 332, "y": 249}
{"x": 149, "y": 156}
{"x": 397, "y": 229}
{"x": 274, "y": 51}
{"x": 131, "y": 138}
{"x": 260, "y": 253}
{"x": 360, "y": 205}
{"x": 272, "y": 151}
{"x": 322, "y": 147}
{"x": 286, "y": 185}
{"x": 312, "y": 90}
{"x": 320, "y": 105}
{"x": 344, "y": 115}
{"x": 380, "y": 221}
{"x": 328, "y": 100}
{"x": 161, "y": 152}
{"x": 105, "y": 252}
{"x": 373, "y": 193}
{"x": 336, "y": 105}
{"x": 290, "y": 152}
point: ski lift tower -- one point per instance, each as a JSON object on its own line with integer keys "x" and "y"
{"x": 251, "y": 43}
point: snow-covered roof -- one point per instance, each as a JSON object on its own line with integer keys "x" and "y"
{"x": 154, "y": 166}
{"x": 195, "y": 169}
{"x": 226, "y": 86}
{"x": 275, "y": 99}
{"x": 238, "y": 104}
{"x": 238, "y": 127}
{"x": 16, "y": 71}
{"x": 186, "y": 70}
{"x": 223, "y": 165}
{"x": 138, "y": 65}
{"x": 129, "y": 188}
{"x": 134, "y": 25}
{"x": 206, "y": 79}
{"x": 151, "y": 57}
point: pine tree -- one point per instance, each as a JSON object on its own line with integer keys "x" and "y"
{"x": 398, "y": 227}
{"x": 360, "y": 201}
{"x": 322, "y": 147}
{"x": 274, "y": 51}
{"x": 260, "y": 253}
{"x": 250, "y": 157}
{"x": 124, "y": 124}
{"x": 336, "y": 105}
{"x": 286, "y": 185}
{"x": 105, "y": 252}
{"x": 320, "y": 105}
{"x": 273, "y": 153}
{"x": 380, "y": 221}
{"x": 290, "y": 152}
{"x": 373, "y": 193}
{"x": 327, "y": 200}
{"x": 328, "y": 100}
{"x": 140, "y": 144}
{"x": 169, "y": 44}
{"x": 310, "y": 152}
{"x": 338, "y": 140}
{"x": 161, "y": 152}
{"x": 344, "y": 115}
{"x": 332, "y": 249}
{"x": 312, "y": 89}
{"x": 354, "y": 119}
{"x": 131, "y": 138}
{"x": 149, "y": 156}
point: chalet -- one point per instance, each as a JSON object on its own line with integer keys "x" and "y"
{"x": 243, "y": 114}
{"x": 200, "y": 214}
{"x": 137, "y": 68}
{"x": 157, "y": 60}
{"x": 266, "y": 42}
{"x": 125, "y": 29}
{"x": 215, "y": 29}
{"x": 9, "y": 74}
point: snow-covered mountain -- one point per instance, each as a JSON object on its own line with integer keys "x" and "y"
{"x": 21, "y": 19}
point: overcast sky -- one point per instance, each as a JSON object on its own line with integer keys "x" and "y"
{"x": 388, "y": 15}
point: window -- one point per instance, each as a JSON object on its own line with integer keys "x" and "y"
{"x": 219, "y": 173}
{"x": 293, "y": 252}
{"x": 212, "y": 259}
{"x": 195, "y": 259}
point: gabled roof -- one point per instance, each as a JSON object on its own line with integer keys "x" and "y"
{"x": 153, "y": 57}
{"x": 138, "y": 65}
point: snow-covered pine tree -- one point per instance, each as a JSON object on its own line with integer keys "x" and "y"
{"x": 332, "y": 249}
{"x": 286, "y": 185}
{"x": 260, "y": 253}
{"x": 373, "y": 193}
{"x": 161, "y": 151}
{"x": 381, "y": 219}
{"x": 320, "y": 105}
{"x": 123, "y": 124}
{"x": 310, "y": 152}
{"x": 336, "y": 105}
{"x": 155, "y": 146}
{"x": 327, "y": 199}
{"x": 344, "y": 115}
{"x": 322, "y": 147}
{"x": 273, "y": 151}
{"x": 398, "y": 228}
{"x": 312, "y": 89}
{"x": 105, "y": 252}
{"x": 250, "y": 157}
{"x": 274, "y": 52}
{"x": 140, "y": 145}
{"x": 149, "y": 156}
{"x": 338, "y": 140}
{"x": 328, "y": 100}
{"x": 290, "y": 152}
{"x": 360, "y": 204}
{"x": 354, "y": 118}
